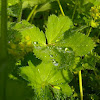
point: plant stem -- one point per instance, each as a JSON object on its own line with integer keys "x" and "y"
{"x": 32, "y": 12}
{"x": 3, "y": 50}
{"x": 74, "y": 10}
{"x": 3, "y": 31}
{"x": 80, "y": 85}
{"x": 89, "y": 31}
{"x": 60, "y": 8}
{"x": 20, "y": 14}
{"x": 33, "y": 16}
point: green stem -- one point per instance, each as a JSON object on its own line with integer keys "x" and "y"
{"x": 3, "y": 31}
{"x": 89, "y": 31}
{"x": 60, "y": 8}
{"x": 20, "y": 14}
{"x": 74, "y": 10}
{"x": 32, "y": 12}
{"x": 3, "y": 50}
{"x": 80, "y": 85}
{"x": 33, "y": 16}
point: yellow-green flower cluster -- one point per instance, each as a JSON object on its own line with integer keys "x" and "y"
{"x": 19, "y": 49}
{"x": 95, "y": 14}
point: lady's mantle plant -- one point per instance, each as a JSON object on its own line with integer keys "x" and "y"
{"x": 58, "y": 49}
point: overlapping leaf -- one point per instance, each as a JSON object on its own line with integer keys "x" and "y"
{"x": 31, "y": 32}
{"x": 56, "y": 27}
{"x": 12, "y": 2}
{"x": 45, "y": 75}
{"x": 80, "y": 43}
{"x": 55, "y": 55}
{"x": 66, "y": 90}
{"x": 88, "y": 62}
{"x": 95, "y": 2}
{"x": 31, "y": 3}
{"x": 27, "y": 2}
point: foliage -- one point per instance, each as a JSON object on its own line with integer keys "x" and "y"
{"x": 49, "y": 49}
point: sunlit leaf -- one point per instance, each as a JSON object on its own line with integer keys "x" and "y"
{"x": 30, "y": 32}
{"x": 55, "y": 54}
{"x": 80, "y": 43}
{"x": 44, "y": 75}
{"x": 56, "y": 27}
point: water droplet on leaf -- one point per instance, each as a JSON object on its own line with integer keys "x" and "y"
{"x": 35, "y": 42}
{"x": 51, "y": 55}
{"x": 55, "y": 62}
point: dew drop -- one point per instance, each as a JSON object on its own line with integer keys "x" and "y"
{"x": 35, "y": 42}
{"x": 66, "y": 49}
{"x": 38, "y": 70}
{"x": 55, "y": 62}
{"x": 9, "y": 42}
{"x": 86, "y": 45}
{"x": 51, "y": 55}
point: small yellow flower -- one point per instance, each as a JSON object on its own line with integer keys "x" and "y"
{"x": 92, "y": 9}
{"x": 98, "y": 7}
{"x": 21, "y": 45}
{"x": 94, "y": 24}
{"x": 96, "y": 10}
{"x": 27, "y": 38}
{"x": 95, "y": 18}
{"x": 29, "y": 43}
{"x": 97, "y": 14}
{"x": 12, "y": 45}
{"x": 93, "y": 15}
{"x": 11, "y": 51}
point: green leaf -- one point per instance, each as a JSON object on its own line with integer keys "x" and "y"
{"x": 55, "y": 55}
{"x": 61, "y": 76}
{"x": 80, "y": 43}
{"x": 89, "y": 61}
{"x": 30, "y": 74}
{"x": 56, "y": 26}
{"x": 20, "y": 26}
{"x": 44, "y": 7}
{"x": 14, "y": 10}
{"x": 88, "y": 1}
{"x": 31, "y": 3}
{"x": 95, "y": 2}
{"x": 37, "y": 75}
{"x": 66, "y": 90}
{"x": 30, "y": 32}
{"x": 44, "y": 75}
{"x": 12, "y": 2}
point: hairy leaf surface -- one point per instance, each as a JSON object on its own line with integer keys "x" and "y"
{"x": 30, "y": 32}
{"x": 31, "y": 3}
{"x": 80, "y": 43}
{"x": 66, "y": 90}
{"x": 45, "y": 75}
{"x": 59, "y": 56}
{"x": 56, "y": 26}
